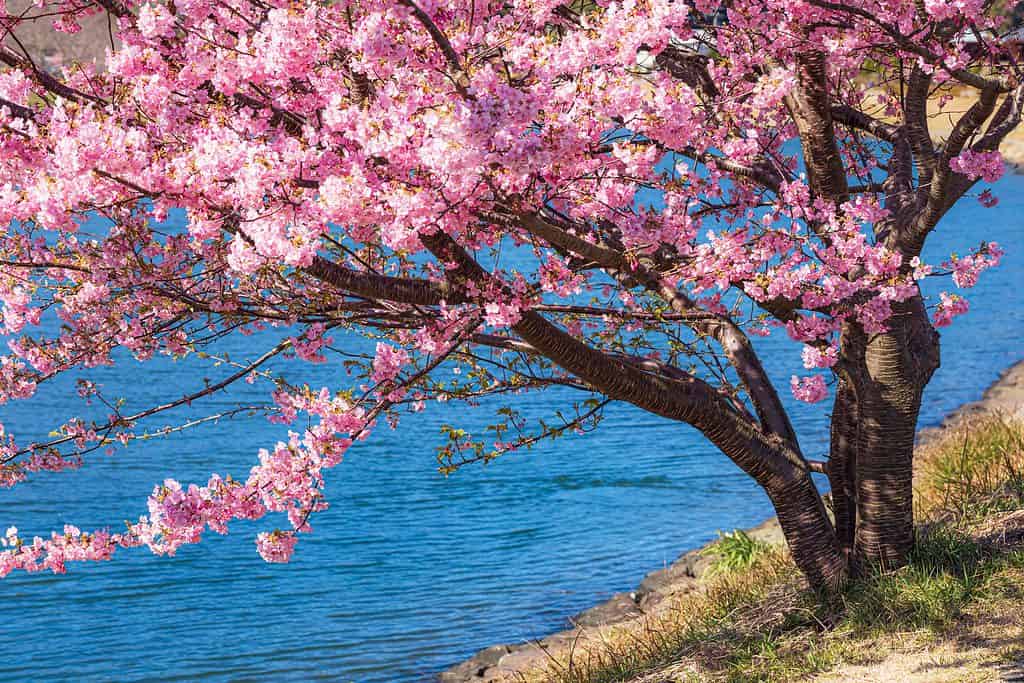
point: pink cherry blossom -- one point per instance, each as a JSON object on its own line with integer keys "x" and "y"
{"x": 154, "y": 20}
{"x": 808, "y": 389}
{"x": 949, "y": 306}
{"x": 388, "y": 362}
{"x": 276, "y": 546}
{"x": 816, "y": 357}
{"x": 986, "y": 165}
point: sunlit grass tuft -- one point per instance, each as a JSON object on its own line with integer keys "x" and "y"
{"x": 976, "y": 469}
{"x": 733, "y": 551}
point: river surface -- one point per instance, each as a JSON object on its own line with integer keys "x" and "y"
{"x": 409, "y": 571}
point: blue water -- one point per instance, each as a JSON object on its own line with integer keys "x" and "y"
{"x": 409, "y": 571}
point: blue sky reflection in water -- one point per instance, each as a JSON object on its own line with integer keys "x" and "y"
{"x": 410, "y": 571}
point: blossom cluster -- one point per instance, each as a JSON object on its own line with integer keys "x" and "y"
{"x": 287, "y": 479}
{"x": 987, "y": 165}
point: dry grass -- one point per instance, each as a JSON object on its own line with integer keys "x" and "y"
{"x": 733, "y": 604}
{"x": 977, "y": 467}
{"x": 951, "y": 614}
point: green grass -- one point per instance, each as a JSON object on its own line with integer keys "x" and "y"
{"x": 710, "y": 621}
{"x": 947, "y": 573}
{"x": 733, "y": 551}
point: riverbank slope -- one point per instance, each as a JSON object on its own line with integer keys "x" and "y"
{"x": 668, "y": 590}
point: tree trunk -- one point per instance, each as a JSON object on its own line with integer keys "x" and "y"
{"x": 809, "y": 534}
{"x": 842, "y": 465}
{"x": 874, "y": 425}
{"x": 874, "y": 422}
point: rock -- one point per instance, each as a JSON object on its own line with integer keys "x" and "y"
{"x": 679, "y": 571}
{"x": 560, "y": 640}
{"x": 520, "y": 660}
{"x": 475, "y": 668}
{"x": 768, "y": 531}
{"x": 619, "y": 607}
{"x": 698, "y": 562}
{"x": 648, "y": 602}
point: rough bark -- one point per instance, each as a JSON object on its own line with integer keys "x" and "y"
{"x": 811, "y": 109}
{"x": 809, "y": 535}
{"x": 842, "y": 465}
{"x": 888, "y": 385}
{"x": 734, "y": 342}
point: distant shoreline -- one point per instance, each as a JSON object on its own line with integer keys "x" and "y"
{"x": 941, "y": 122}
{"x": 502, "y": 662}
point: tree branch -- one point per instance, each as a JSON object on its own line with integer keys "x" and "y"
{"x": 734, "y": 342}
{"x": 17, "y": 110}
{"x": 915, "y": 117}
{"x": 767, "y": 459}
{"x": 382, "y": 287}
{"x": 941, "y": 193}
{"x": 811, "y": 109}
{"x": 855, "y": 118}
{"x": 1005, "y": 120}
{"x": 460, "y": 77}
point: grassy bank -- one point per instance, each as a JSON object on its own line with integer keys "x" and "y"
{"x": 952, "y": 614}
{"x": 947, "y": 104}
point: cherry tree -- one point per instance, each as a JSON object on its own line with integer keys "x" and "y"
{"x": 668, "y": 190}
